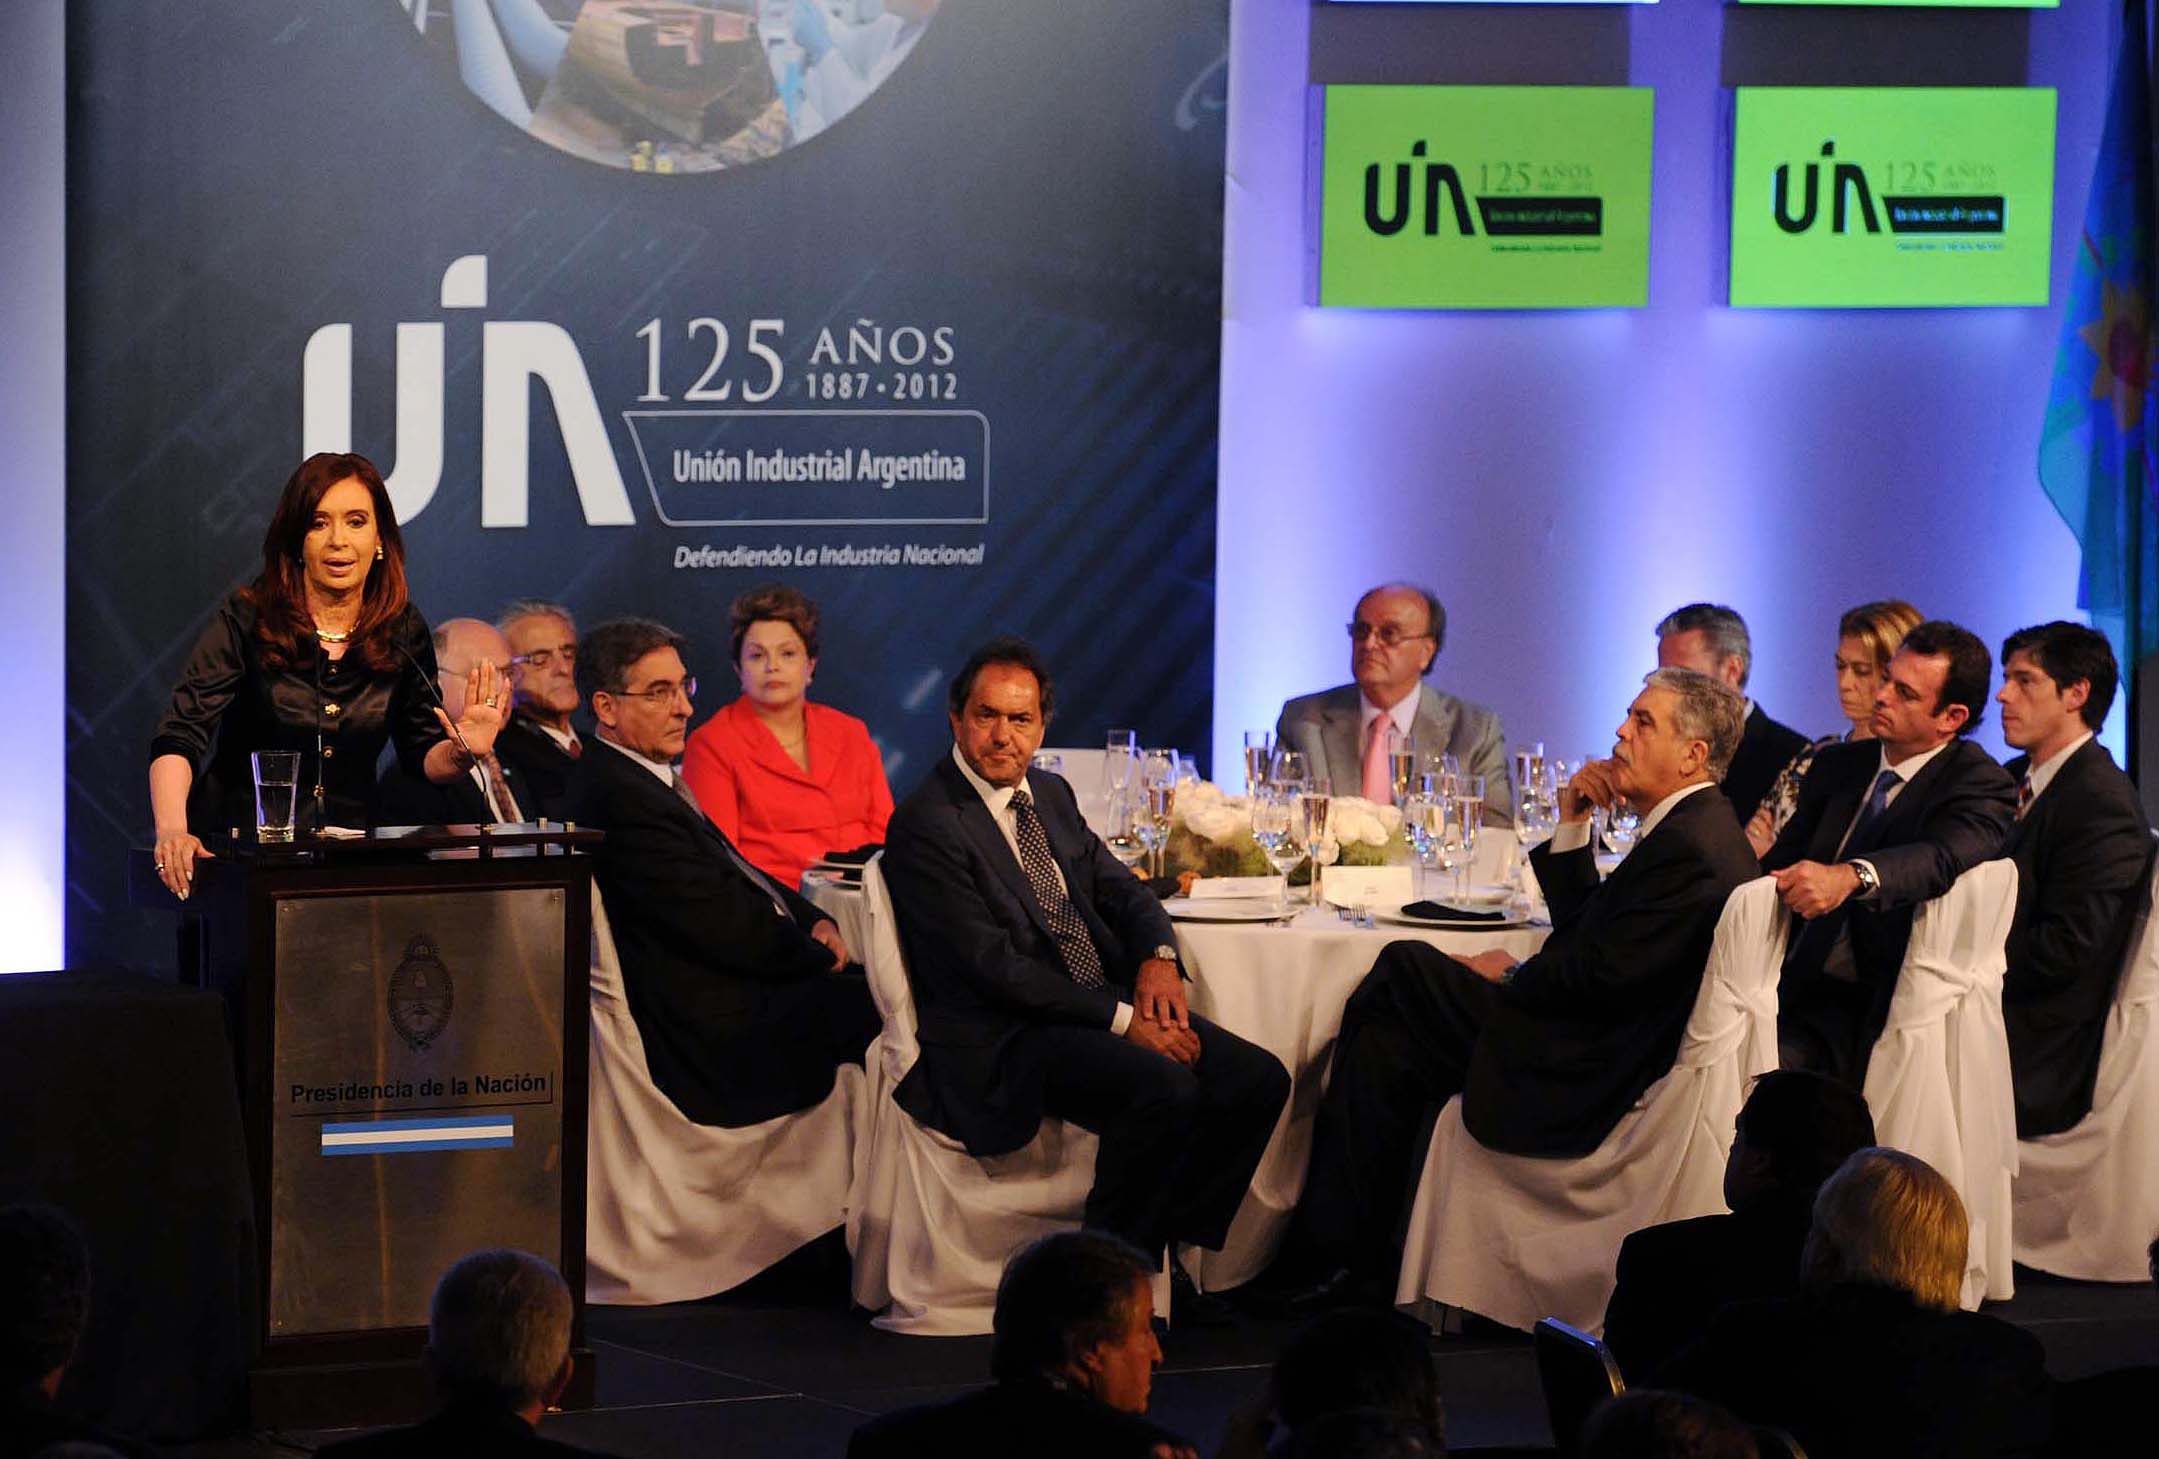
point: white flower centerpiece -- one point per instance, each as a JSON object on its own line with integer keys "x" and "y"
{"x": 1211, "y": 833}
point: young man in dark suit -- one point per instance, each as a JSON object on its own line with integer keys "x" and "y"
{"x": 1073, "y": 1352}
{"x": 2083, "y": 852}
{"x": 1712, "y": 639}
{"x": 540, "y": 742}
{"x": 1547, "y": 1054}
{"x": 492, "y": 791}
{"x": 746, "y": 997}
{"x": 1793, "y": 1132}
{"x": 1046, "y": 981}
{"x": 1882, "y": 826}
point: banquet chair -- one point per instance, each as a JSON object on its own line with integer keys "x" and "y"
{"x": 2087, "y": 1199}
{"x": 1518, "y": 1238}
{"x": 1084, "y": 773}
{"x": 1577, "y": 1373}
{"x": 676, "y": 1210}
{"x": 931, "y": 1226}
{"x": 1938, "y": 1078}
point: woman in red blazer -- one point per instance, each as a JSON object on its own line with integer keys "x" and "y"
{"x": 786, "y": 779}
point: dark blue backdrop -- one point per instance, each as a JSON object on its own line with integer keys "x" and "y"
{"x": 1040, "y": 180}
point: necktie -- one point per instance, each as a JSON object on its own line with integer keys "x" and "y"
{"x": 1082, "y": 962}
{"x": 498, "y": 789}
{"x": 577, "y": 748}
{"x": 1378, "y": 784}
{"x": 1860, "y": 837}
{"x": 757, "y": 878}
{"x": 2024, "y": 795}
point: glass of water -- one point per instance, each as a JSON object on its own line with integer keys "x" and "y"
{"x": 277, "y": 779}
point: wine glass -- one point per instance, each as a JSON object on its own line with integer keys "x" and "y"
{"x": 1417, "y": 820}
{"x": 1291, "y": 769}
{"x": 1159, "y": 801}
{"x": 1622, "y": 824}
{"x": 1536, "y": 819}
{"x": 1120, "y": 755}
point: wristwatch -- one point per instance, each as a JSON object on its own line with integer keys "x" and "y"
{"x": 1869, "y": 883}
{"x": 1166, "y": 953}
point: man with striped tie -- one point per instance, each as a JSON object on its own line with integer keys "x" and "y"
{"x": 1882, "y": 826}
{"x": 2083, "y": 852}
{"x": 746, "y": 997}
{"x": 1047, "y": 982}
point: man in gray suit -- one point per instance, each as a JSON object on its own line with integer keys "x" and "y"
{"x": 1394, "y": 639}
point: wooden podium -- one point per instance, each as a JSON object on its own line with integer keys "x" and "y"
{"x": 409, "y": 1016}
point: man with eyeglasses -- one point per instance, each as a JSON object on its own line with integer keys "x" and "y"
{"x": 539, "y": 743}
{"x": 745, "y": 995}
{"x": 1346, "y": 732}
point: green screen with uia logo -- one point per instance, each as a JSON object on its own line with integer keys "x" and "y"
{"x": 1485, "y": 197}
{"x": 1884, "y": 198}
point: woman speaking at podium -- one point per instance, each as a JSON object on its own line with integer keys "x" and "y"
{"x": 323, "y": 655}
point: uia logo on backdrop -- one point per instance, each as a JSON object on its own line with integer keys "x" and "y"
{"x": 1932, "y": 197}
{"x": 1485, "y": 197}
{"x": 663, "y": 86}
{"x": 512, "y": 353}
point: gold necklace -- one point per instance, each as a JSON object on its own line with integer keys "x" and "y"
{"x": 328, "y": 637}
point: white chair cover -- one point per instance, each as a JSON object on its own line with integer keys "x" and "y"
{"x": 676, "y": 1210}
{"x": 2087, "y": 1199}
{"x": 1938, "y": 1079}
{"x": 931, "y": 1226}
{"x": 1084, "y": 773}
{"x": 1517, "y": 1238}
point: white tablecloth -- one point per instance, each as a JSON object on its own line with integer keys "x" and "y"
{"x": 1283, "y": 988}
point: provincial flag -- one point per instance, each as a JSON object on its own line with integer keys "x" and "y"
{"x": 2100, "y": 441}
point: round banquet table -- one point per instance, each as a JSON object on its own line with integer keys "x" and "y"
{"x": 1283, "y": 988}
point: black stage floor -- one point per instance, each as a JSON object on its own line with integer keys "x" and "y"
{"x": 782, "y": 1371}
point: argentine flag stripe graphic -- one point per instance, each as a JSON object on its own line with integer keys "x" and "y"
{"x": 410, "y": 1137}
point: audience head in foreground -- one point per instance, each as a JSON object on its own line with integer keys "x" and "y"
{"x": 1648, "y": 1423}
{"x": 44, "y": 1299}
{"x": 1366, "y": 1368}
{"x": 1073, "y": 1353}
{"x": 498, "y": 1333}
{"x": 1794, "y": 1132}
{"x": 1888, "y": 1219}
{"x": 1708, "y": 638}
{"x": 1076, "y": 1310}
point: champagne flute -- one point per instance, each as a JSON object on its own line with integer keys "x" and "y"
{"x": 1444, "y": 823}
{"x": 1271, "y": 827}
{"x": 1417, "y": 819}
{"x": 1401, "y": 770}
{"x": 1312, "y": 808}
{"x": 1120, "y": 755}
{"x": 1469, "y": 808}
{"x": 1258, "y": 759}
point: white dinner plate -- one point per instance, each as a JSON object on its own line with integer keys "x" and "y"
{"x": 1225, "y": 909}
{"x": 1400, "y": 918}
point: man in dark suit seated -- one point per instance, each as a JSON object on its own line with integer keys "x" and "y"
{"x": 491, "y": 792}
{"x": 2083, "y": 852}
{"x": 498, "y": 1351}
{"x": 745, "y": 996}
{"x": 44, "y": 1307}
{"x": 1712, "y": 639}
{"x": 1881, "y": 827}
{"x": 1073, "y": 1355}
{"x": 539, "y": 741}
{"x": 1873, "y": 1358}
{"x": 1547, "y": 1054}
{"x": 1047, "y": 983}
{"x": 1794, "y": 1131}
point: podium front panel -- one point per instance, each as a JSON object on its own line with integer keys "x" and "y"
{"x": 417, "y": 1091}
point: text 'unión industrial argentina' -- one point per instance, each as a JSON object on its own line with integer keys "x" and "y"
{"x": 839, "y": 467}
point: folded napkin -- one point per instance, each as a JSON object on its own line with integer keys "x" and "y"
{"x": 1440, "y": 912}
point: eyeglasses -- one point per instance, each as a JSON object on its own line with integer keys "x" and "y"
{"x": 540, "y": 658}
{"x": 662, "y": 694}
{"x": 1388, "y": 635}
